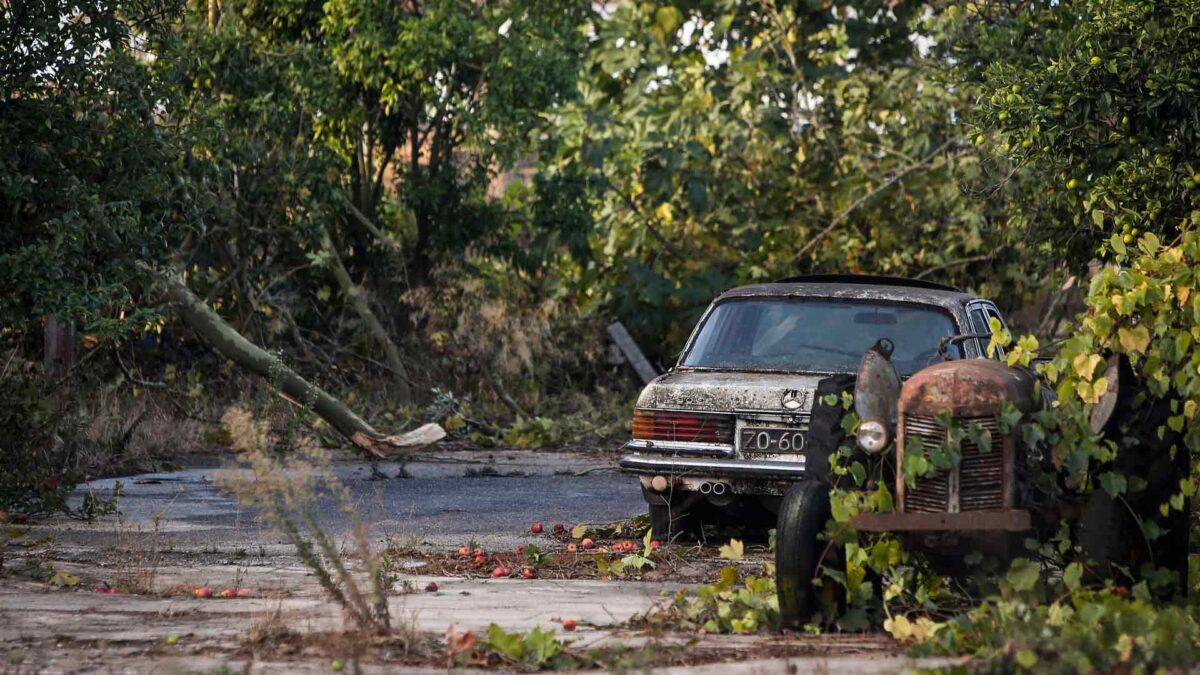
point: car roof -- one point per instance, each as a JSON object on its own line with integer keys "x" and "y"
{"x": 855, "y": 287}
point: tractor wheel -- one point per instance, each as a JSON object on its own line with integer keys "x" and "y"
{"x": 798, "y": 550}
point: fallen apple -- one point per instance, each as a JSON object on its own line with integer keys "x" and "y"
{"x": 203, "y": 592}
{"x": 337, "y": 666}
{"x": 568, "y": 625}
{"x": 572, "y": 548}
{"x": 464, "y": 551}
{"x": 529, "y": 573}
{"x": 537, "y": 528}
{"x": 478, "y": 552}
{"x": 500, "y": 572}
{"x": 587, "y": 543}
{"x": 559, "y": 528}
{"x": 431, "y": 587}
{"x": 171, "y": 640}
{"x": 654, "y": 544}
{"x": 243, "y": 592}
{"x": 480, "y": 559}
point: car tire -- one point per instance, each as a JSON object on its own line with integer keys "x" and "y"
{"x": 798, "y": 550}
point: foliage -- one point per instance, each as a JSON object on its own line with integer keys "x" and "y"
{"x": 1097, "y": 110}
{"x": 730, "y": 605}
{"x": 87, "y": 191}
{"x": 1080, "y": 630}
{"x": 726, "y": 142}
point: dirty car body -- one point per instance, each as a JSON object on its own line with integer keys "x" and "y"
{"x": 729, "y": 426}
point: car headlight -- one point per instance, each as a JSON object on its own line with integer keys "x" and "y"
{"x": 872, "y": 435}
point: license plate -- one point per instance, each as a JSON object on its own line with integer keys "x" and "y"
{"x": 771, "y": 440}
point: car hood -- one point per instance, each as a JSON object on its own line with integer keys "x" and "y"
{"x": 724, "y": 391}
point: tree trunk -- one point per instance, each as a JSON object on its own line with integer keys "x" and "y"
{"x": 232, "y": 345}
{"x": 58, "y": 357}
{"x": 362, "y": 305}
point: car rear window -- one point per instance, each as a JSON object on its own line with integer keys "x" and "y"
{"x": 821, "y": 336}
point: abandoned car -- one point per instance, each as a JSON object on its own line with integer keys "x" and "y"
{"x": 729, "y": 428}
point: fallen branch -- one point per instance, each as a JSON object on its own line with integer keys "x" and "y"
{"x": 222, "y": 337}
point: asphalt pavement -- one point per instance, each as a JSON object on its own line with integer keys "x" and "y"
{"x": 446, "y": 499}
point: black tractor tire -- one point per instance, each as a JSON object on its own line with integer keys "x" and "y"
{"x": 798, "y": 550}
{"x": 1110, "y": 537}
{"x": 1105, "y": 529}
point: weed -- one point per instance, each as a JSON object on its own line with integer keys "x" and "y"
{"x": 283, "y": 492}
{"x": 141, "y": 555}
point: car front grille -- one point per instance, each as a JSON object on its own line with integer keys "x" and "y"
{"x": 979, "y": 477}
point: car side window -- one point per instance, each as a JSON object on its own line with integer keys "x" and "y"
{"x": 979, "y": 325}
{"x": 993, "y": 313}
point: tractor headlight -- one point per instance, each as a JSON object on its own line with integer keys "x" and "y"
{"x": 872, "y": 436}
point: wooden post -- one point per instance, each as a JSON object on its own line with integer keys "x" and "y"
{"x": 58, "y": 358}
{"x": 632, "y": 352}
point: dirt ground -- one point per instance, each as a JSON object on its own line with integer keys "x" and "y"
{"x": 178, "y": 532}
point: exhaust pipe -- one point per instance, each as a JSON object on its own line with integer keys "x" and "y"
{"x": 706, "y": 488}
{"x": 718, "y": 489}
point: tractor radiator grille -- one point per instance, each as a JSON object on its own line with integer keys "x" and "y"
{"x": 977, "y": 484}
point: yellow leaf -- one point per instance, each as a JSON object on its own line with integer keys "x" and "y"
{"x": 1189, "y": 408}
{"x": 578, "y": 531}
{"x": 1117, "y": 300}
{"x": 734, "y": 550}
{"x": 1085, "y": 365}
{"x": 1182, "y": 293}
{"x": 1134, "y": 340}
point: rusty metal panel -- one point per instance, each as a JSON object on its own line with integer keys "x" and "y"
{"x": 1012, "y": 520}
{"x": 968, "y": 388}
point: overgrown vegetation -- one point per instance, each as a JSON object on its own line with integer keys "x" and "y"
{"x": 432, "y": 208}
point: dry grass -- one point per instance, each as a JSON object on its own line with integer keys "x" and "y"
{"x": 141, "y": 555}
{"x": 282, "y": 489}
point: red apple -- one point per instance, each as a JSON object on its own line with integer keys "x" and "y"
{"x": 559, "y": 528}
{"x": 587, "y": 543}
{"x": 529, "y": 573}
{"x": 568, "y": 625}
{"x": 203, "y": 592}
{"x": 537, "y": 528}
{"x": 243, "y": 592}
{"x": 431, "y": 587}
{"x": 464, "y": 551}
{"x": 480, "y": 559}
{"x": 654, "y": 544}
{"x": 478, "y": 552}
{"x": 500, "y": 572}
{"x": 571, "y": 548}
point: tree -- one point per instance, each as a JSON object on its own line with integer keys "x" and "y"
{"x": 1096, "y": 114}
{"x": 730, "y": 142}
{"x": 86, "y": 188}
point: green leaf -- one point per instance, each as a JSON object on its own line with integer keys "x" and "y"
{"x": 1072, "y": 576}
{"x": 1022, "y": 575}
{"x": 1113, "y": 483}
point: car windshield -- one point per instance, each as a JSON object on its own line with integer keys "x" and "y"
{"x": 821, "y": 336}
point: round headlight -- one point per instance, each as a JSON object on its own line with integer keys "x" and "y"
{"x": 872, "y": 435}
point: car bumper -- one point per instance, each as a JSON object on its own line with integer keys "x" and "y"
{"x": 712, "y": 467}
{"x": 1013, "y": 520}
